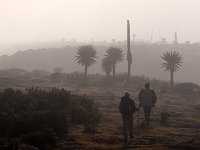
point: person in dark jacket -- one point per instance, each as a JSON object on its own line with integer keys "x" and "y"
{"x": 147, "y": 98}
{"x": 127, "y": 108}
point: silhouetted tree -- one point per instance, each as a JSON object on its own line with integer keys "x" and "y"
{"x": 86, "y": 55}
{"x": 115, "y": 55}
{"x": 107, "y": 65}
{"x": 173, "y": 62}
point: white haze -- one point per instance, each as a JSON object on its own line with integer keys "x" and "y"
{"x": 48, "y": 20}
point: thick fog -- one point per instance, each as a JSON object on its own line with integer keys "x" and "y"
{"x": 41, "y": 24}
{"x": 49, "y": 20}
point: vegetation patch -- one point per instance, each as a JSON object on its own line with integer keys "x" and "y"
{"x": 39, "y": 117}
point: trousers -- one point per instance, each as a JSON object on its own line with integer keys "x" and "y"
{"x": 127, "y": 125}
{"x": 147, "y": 113}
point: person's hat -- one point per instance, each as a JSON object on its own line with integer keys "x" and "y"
{"x": 127, "y": 93}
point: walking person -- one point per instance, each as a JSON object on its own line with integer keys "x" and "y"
{"x": 147, "y": 98}
{"x": 127, "y": 108}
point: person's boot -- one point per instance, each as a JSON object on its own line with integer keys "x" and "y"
{"x": 148, "y": 122}
{"x": 131, "y": 137}
{"x": 125, "y": 140}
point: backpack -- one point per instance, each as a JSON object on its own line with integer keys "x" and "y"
{"x": 154, "y": 98}
{"x": 127, "y": 106}
{"x": 144, "y": 97}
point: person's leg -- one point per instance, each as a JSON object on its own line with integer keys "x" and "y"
{"x": 131, "y": 126}
{"x": 148, "y": 115}
{"x": 145, "y": 114}
{"x": 125, "y": 127}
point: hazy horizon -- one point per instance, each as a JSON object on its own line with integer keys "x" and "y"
{"x": 25, "y": 21}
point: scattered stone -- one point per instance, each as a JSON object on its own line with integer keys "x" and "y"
{"x": 164, "y": 117}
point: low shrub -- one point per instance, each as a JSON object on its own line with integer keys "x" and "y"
{"x": 187, "y": 88}
{"x": 32, "y": 111}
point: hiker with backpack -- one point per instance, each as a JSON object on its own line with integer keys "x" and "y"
{"x": 147, "y": 98}
{"x": 127, "y": 108}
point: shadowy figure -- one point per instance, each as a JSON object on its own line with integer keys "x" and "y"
{"x": 147, "y": 98}
{"x": 127, "y": 108}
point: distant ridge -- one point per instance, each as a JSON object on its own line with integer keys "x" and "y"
{"x": 146, "y": 57}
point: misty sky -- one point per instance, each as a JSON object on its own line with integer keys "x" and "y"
{"x": 49, "y": 20}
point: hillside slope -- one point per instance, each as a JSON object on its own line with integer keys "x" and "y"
{"x": 146, "y": 60}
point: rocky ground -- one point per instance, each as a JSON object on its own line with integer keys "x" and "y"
{"x": 181, "y": 132}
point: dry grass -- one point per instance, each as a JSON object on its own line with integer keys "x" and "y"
{"x": 182, "y": 132}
